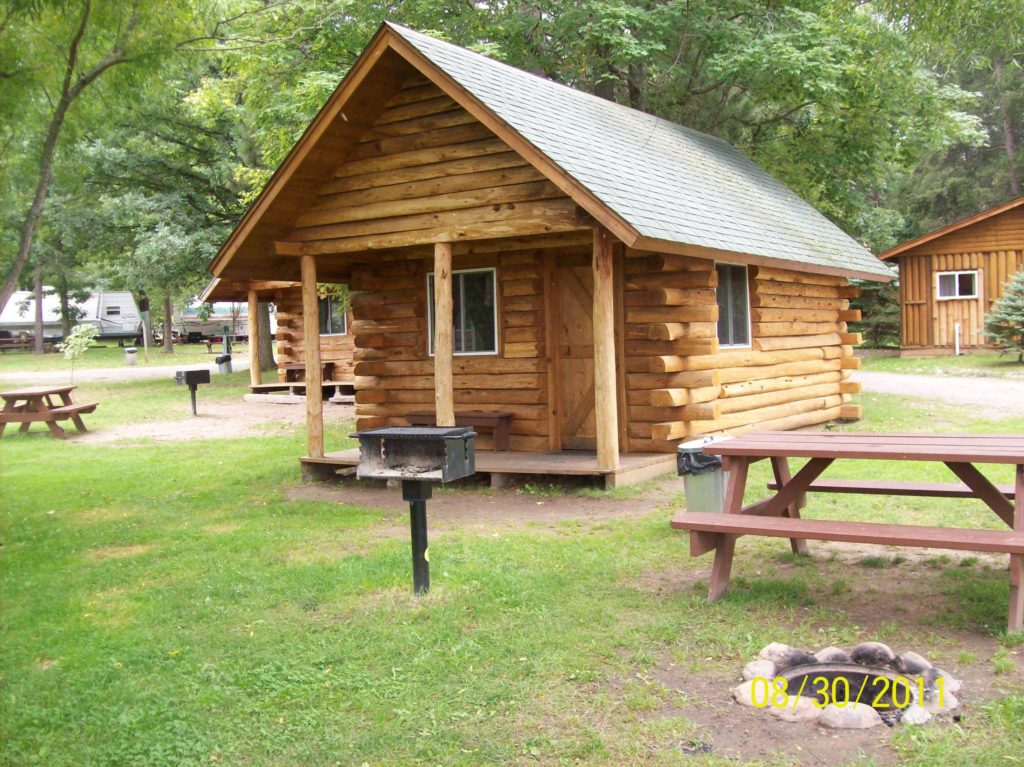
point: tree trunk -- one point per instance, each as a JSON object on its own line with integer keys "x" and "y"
{"x": 1009, "y": 140}
{"x": 71, "y": 89}
{"x": 65, "y": 307}
{"x": 37, "y": 341}
{"x": 168, "y": 326}
{"x": 266, "y": 339}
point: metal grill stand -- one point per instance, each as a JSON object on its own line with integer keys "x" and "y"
{"x": 417, "y": 493}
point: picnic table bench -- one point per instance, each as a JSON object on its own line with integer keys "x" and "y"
{"x": 779, "y": 514}
{"x": 498, "y": 423}
{"x": 37, "y": 405}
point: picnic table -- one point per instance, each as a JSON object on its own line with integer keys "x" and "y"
{"x": 43, "y": 404}
{"x": 778, "y": 515}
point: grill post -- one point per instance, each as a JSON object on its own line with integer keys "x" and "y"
{"x": 417, "y": 493}
{"x": 192, "y": 390}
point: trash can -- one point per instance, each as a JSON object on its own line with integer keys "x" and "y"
{"x": 131, "y": 355}
{"x": 703, "y": 478}
{"x": 224, "y": 364}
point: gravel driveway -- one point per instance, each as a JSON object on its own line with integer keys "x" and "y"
{"x": 117, "y": 374}
{"x": 996, "y": 396}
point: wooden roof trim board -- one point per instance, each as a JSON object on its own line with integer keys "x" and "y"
{"x": 576, "y": 191}
{"x": 750, "y": 259}
{"x": 963, "y": 223}
{"x": 236, "y": 290}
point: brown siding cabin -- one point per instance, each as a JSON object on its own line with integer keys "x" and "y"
{"x": 950, "y": 278}
{"x": 590, "y": 282}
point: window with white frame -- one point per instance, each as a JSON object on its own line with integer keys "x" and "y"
{"x": 957, "y": 285}
{"x": 333, "y": 308}
{"x": 474, "y": 311}
{"x": 733, "y": 305}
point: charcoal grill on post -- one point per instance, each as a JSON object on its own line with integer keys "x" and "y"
{"x": 192, "y": 379}
{"x": 419, "y": 456}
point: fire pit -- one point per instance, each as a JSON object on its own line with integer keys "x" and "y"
{"x": 418, "y": 456}
{"x": 869, "y": 686}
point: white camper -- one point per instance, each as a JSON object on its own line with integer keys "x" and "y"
{"x": 112, "y": 312}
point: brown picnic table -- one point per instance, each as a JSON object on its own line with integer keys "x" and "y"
{"x": 778, "y": 515}
{"x": 43, "y": 404}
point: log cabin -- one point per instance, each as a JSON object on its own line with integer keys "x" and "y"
{"x": 334, "y": 317}
{"x": 949, "y": 279}
{"x": 591, "y": 283}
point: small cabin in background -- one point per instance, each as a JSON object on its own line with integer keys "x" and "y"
{"x": 594, "y": 283}
{"x": 333, "y": 320}
{"x": 950, "y": 278}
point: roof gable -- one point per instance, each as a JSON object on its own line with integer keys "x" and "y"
{"x": 650, "y": 182}
{"x": 998, "y": 228}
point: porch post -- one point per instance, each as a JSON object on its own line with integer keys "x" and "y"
{"x": 254, "y": 339}
{"x": 605, "y": 404}
{"x": 314, "y": 373}
{"x": 444, "y": 395}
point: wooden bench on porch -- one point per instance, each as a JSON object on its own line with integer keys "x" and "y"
{"x": 498, "y": 423}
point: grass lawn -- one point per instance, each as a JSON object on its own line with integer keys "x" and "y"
{"x": 176, "y": 604}
{"x": 110, "y": 355}
{"x": 986, "y": 364}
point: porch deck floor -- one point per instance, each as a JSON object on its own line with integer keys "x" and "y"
{"x": 633, "y": 467}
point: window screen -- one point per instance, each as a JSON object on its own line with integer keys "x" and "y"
{"x": 473, "y": 312}
{"x": 733, "y": 305}
{"x": 958, "y": 284}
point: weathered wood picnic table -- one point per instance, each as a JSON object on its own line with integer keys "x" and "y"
{"x": 40, "y": 405}
{"x": 778, "y": 515}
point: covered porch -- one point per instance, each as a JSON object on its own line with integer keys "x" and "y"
{"x": 501, "y": 466}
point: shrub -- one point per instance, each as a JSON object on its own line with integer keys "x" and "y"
{"x": 1005, "y": 323}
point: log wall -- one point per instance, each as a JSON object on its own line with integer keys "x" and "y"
{"x": 393, "y": 368}
{"x": 681, "y": 385}
{"x": 291, "y": 338}
{"x": 928, "y": 322}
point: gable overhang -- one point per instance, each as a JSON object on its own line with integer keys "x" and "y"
{"x": 950, "y": 228}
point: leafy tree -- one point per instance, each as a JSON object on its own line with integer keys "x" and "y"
{"x": 879, "y": 303}
{"x": 1004, "y": 325}
{"x": 77, "y": 343}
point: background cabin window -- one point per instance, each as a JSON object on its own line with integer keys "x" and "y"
{"x": 332, "y": 316}
{"x": 733, "y": 305}
{"x": 958, "y": 285}
{"x": 474, "y": 312}
{"x": 113, "y": 311}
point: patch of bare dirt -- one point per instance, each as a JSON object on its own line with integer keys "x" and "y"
{"x": 119, "y": 552}
{"x": 216, "y": 420}
{"x": 487, "y": 511}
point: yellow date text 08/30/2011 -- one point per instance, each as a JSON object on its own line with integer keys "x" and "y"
{"x": 878, "y": 692}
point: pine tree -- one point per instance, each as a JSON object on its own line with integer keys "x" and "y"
{"x": 1005, "y": 323}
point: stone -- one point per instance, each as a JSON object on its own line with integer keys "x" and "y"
{"x": 802, "y": 709}
{"x": 794, "y": 658}
{"x": 912, "y": 664}
{"x": 852, "y": 716}
{"x": 939, "y": 704}
{"x": 832, "y": 655}
{"x": 774, "y": 651}
{"x": 873, "y": 654}
{"x": 949, "y": 684}
{"x": 759, "y": 668}
{"x": 915, "y": 714}
{"x": 744, "y": 694}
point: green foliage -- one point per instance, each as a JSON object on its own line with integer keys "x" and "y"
{"x": 77, "y": 344}
{"x": 1004, "y": 325}
{"x": 879, "y": 303}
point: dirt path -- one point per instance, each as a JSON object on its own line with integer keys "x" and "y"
{"x": 216, "y": 420}
{"x": 995, "y": 396}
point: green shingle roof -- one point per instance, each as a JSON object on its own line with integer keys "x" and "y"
{"x": 666, "y": 181}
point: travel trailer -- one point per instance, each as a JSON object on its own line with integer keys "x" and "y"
{"x": 113, "y": 312}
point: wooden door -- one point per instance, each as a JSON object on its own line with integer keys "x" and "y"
{"x": 575, "y": 332}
